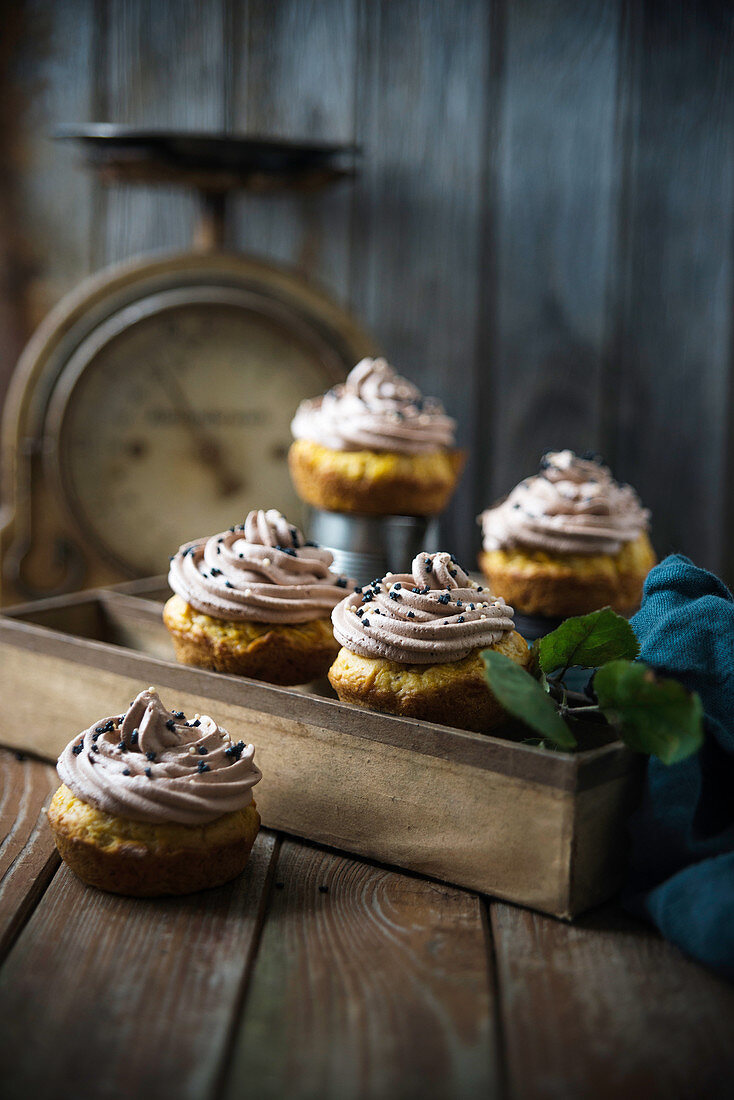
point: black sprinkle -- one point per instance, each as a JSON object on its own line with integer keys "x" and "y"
{"x": 395, "y": 596}
{"x": 95, "y": 736}
{"x": 195, "y": 722}
{"x": 178, "y": 714}
{"x": 215, "y": 573}
{"x": 122, "y": 747}
{"x": 411, "y": 615}
{"x": 360, "y": 612}
{"x": 235, "y": 751}
{"x": 358, "y": 589}
{"x": 377, "y": 611}
{"x": 134, "y": 737}
{"x": 77, "y": 749}
{"x": 365, "y": 622}
{"x": 202, "y": 766}
{"x": 460, "y": 619}
{"x": 98, "y": 729}
{"x": 416, "y": 590}
{"x": 397, "y": 584}
{"x": 287, "y": 550}
{"x": 323, "y": 889}
{"x": 452, "y": 572}
{"x": 228, "y": 584}
{"x": 377, "y": 590}
{"x": 479, "y": 588}
{"x": 471, "y": 606}
{"x": 459, "y": 603}
{"x": 218, "y": 549}
{"x": 170, "y": 724}
{"x": 232, "y": 530}
{"x": 444, "y": 598}
{"x": 126, "y": 771}
{"x": 90, "y": 758}
{"x": 150, "y": 755}
{"x": 341, "y": 582}
{"x": 95, "y": 748}
{"x": 426, "y": 590}
{"x": 294, "y": 536}
{"x": 240, "y": 555}
{"x": 202, "y": 750}
{"x": 429, "y": 565}
{"x": 149, "y": 773}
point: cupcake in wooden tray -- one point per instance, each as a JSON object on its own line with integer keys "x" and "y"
{"x": 568, "y": 540}
{"x": 375, "y": 446}
{"x": 411, "y": 645}
{"x": 152, "y": 803}
{"x": 256, "y": 601}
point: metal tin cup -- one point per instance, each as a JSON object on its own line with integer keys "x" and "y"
{"x": 365, "y": 547}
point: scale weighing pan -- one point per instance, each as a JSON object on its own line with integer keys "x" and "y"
{"x": 210, "y": 161}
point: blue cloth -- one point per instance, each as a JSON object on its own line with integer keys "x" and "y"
{"x": 682, "y": 869}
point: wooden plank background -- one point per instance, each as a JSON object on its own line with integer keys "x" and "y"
{"x": 541, "y": 232}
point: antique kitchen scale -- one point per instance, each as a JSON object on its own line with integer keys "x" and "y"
{"x": 153, "y": 404}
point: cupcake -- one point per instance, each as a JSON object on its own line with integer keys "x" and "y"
{"x": 567, "y": 540}
{"x": 412, "y": 644}
{"x": 151, "y": 804}
{"x": 373, "y": 445}
{"x": 255, "y": 601}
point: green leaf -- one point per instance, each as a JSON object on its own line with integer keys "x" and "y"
{"x": 652, "y": 714}
{"x": 523, "y": 697}
{"x": 589, "y": 641}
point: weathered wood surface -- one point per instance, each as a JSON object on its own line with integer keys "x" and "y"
{"x": 540, "y": 233}
{"x": 316, "y": 975}
{"x": 28, "y": 857}
{"x": 385, "y": 976}
{"x": 122, "y": 997}
{"x": 606, "y": 1008}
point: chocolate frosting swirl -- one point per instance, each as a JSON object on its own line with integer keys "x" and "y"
{"x": 150, "y": 764}
{"x": 376, "y": 410}
{"x": 431, "y": 615}
{"x": 573, "y": 506}
{"x": 261, "y": 571}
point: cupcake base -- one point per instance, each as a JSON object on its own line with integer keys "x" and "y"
{"x": 558, "y": 585}
{"x": 140, "y": 859}
{"x": 372, "y": 482}
{"x": 279, "y": 653}
{"x": 453, "y": 694}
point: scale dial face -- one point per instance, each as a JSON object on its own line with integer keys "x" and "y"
{"x": 172, "y": 419}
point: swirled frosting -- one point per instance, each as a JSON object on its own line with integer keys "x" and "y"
{"x": 432, "y": 615}
{"x": 151, "y": 764}
{"x": 262, "y": 571}
{"x": 376, "y": 410}
{"x": 573, "y": 506}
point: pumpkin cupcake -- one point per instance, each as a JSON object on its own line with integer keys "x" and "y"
{"x": 152, "y": 804}
{"x": 412, "y": 645}
{"x": 255, "y": 601}
{"x": 568, "y": 540}
{"x": 373, "y": 445}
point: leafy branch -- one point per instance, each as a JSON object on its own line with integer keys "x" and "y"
{"x": 650, "y": 713}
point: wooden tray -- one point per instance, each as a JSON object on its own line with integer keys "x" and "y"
{"x": 542, "y": 829}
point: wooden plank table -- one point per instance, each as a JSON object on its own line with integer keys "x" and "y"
{"x": 317, "y": 975}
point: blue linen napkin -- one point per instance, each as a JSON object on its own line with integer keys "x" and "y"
{"x": 682, "y": 867}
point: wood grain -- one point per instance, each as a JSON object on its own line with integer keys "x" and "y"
{"x": 166, "y": 67}
{"x": 28, "y": 855}
{"x": 367, "y": 984}
{"x": 47, "y": 79}
{"x": 671, "y": 375}
{"x": 295, "y": 77}
{"x": 118, "y": 997}
{"x": 418, "y": 200}
{"x": 607, "y": 1008}
{"x": 555, "y": 222}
